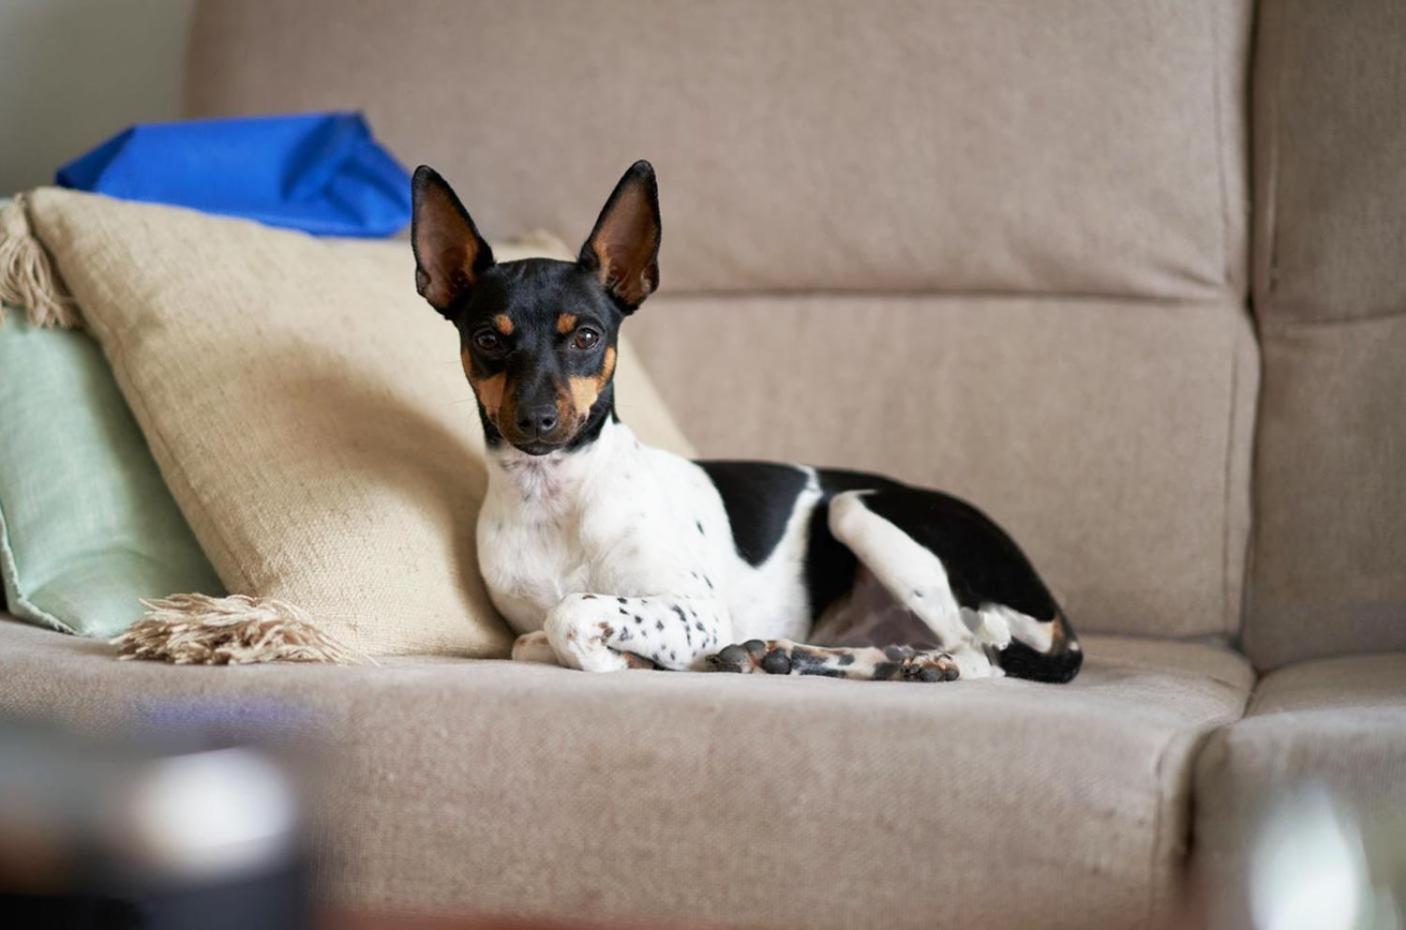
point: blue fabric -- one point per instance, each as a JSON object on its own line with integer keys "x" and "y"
{"x": 322, "y": 173}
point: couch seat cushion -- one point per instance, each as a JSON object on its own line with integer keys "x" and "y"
{"x": 459, "y": 785}
{"x": 1330, "y": 731}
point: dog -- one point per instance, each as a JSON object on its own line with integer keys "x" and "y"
{"x": 604, "y": 553}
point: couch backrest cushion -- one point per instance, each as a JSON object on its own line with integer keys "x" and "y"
{"x": 1126, "y": 483}
{"x": 990, "y": 245}
{"x": 1086, "y": 146}
{"x": 1329, "y": 566}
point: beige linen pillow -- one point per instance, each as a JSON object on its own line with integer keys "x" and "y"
{"x": 307, "y": 410}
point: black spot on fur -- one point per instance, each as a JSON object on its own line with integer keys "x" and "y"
{"x": 846, "y": 658}
{"x": 759, "y": 498}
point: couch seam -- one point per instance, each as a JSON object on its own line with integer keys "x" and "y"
{"x": 1216, "y": 77}
{"x": 1266, "y": 78}
{"x": 1281, "y": 325}
{"x": 1229, "y": 620}
{"x": 1272, "y": 63}
{"x": 1158, "y": 817}
{"x": 1216, "y": 298}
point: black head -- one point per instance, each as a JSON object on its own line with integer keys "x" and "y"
{"x": 538, "y": 337}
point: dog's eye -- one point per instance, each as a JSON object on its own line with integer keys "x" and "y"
{"x": 488, "y": 342}
{"x": 585, "y": 338}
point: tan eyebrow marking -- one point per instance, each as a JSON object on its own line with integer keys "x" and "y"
{"x": 503, "y": 324}
{"x": 566, "y": 322}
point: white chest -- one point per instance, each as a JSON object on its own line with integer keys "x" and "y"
{"x": 620, "y": 519}
{"x": 530, "y": 559}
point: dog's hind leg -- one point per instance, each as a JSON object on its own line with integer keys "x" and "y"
{"x": 867, "y": 663}
{"x": 955, "y": 570}
{"x": 916, "y": 579}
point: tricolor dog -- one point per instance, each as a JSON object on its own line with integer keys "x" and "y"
{"x": 605, "y": 554}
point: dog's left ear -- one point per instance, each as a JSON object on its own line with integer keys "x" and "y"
{"x": 623, "y": 249}
{"x": 450, "y": 255}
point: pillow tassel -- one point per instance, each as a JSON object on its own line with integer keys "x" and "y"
{"x": 27, "y": 277}
{"x": 196, "y": 629}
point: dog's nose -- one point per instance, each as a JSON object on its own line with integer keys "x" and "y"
{"x": 537, "y": 420}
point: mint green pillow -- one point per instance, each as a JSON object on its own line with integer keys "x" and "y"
{"x": 87, "y": 526}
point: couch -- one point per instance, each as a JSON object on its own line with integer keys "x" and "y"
{"x": 1126, "y": 274}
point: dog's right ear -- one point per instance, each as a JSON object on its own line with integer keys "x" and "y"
{"x": 450, "y": 255}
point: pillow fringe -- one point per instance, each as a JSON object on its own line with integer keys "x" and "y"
{"x": 196, "y": 629}
{"x": 27, "y": 276}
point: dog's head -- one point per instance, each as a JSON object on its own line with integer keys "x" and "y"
{"x": 538, "y": 337}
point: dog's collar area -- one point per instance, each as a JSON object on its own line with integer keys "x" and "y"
{"x": 560, "y": 472}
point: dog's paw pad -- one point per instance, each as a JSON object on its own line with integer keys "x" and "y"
{"x": 930, "y": 667}
{"x": 755, "y": 655}
{"x": 732, "y": 658}
{"x": 776, "y": 662}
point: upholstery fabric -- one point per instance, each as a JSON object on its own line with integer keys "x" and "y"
{"x": 308, "y": 411}
{"x": 1096, "y": 146}
{"x": 499, "y": 787}
{"x": 1332, "y": 726}
{"x": 1112, "y": 439}
{"x": 87, "y": 528}
{"x": 1329, "y": 563}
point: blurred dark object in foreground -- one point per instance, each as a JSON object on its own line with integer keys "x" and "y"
{"x": 187, "y": 830}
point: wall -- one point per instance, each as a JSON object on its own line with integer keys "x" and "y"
{"x": 73, "y": 72}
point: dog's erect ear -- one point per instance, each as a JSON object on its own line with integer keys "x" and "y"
{"x": 623, "y": 249}
{"x": 450, "y": 255}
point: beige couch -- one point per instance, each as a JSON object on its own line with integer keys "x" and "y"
{"x": 1080, "y": 262}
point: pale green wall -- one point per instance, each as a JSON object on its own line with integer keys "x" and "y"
{"x": 73, "y": 72}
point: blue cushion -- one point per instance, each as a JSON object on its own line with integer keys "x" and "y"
{"x": 321, "y": 173}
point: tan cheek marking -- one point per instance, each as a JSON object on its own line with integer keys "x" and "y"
{"x": 503, "y": 324}
{"x": 584, "y": 392}
{"x": 566, "y": 322}
{"x": 585, "y": 389}
{"x": 490, "y": 392}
